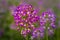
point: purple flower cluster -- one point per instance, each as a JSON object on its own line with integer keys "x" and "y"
{"x": 28, "y": 21}
{"x": 48, "y": 19}
{"x": 48, "y": 16}
{"x": 25, "y": 17}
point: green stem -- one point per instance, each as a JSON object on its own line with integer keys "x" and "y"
{"x": 26, "y": 37}
{"x": 46, "y": 33}
{"x": 58, "y": 37}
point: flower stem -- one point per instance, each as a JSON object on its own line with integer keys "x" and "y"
{"x": 38, "y": 38}
{"x": 46, "y": 32}
{"x": 26, "y": 37}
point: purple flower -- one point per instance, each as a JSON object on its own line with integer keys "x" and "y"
{"x": 25, "y": 16}
{"x": 38, "y": 32}
{"x": 48, "y": 19}
{"x": 25, "y": 13}
{"x": 50, "y": 32}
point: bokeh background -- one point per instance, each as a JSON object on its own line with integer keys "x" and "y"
{"x": 8, "y": 29}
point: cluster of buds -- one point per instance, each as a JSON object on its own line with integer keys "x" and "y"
{"x": 28, "y": 21}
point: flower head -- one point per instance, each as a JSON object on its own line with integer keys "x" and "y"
{"x": 48, "y": 19}
{"x": 25, "y": 16}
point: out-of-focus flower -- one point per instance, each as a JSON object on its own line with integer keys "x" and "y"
{"x": 1, "y": 32}
{"x": 13, "y": 26}
{"x": 50, "y": 32}
{"x": 3, "y": 6}
{"x": 48, "y": 19}
{"x": 58, "y": 4}
{"x": 38, "y": 32}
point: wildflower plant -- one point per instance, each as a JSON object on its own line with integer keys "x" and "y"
{"x": 28, "y": 21}
{"x": 48, "y": 19}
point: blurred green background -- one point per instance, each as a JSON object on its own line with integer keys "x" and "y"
{"x": 8, "y": 29}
